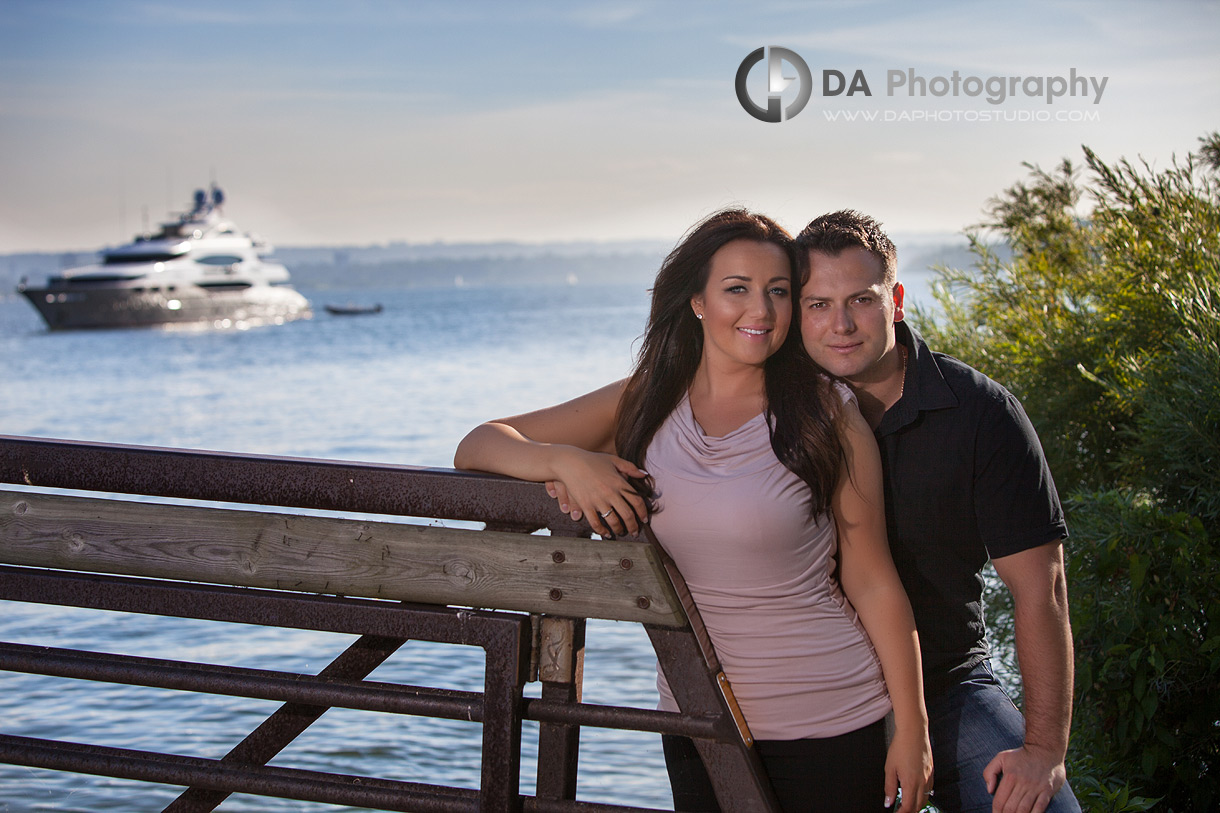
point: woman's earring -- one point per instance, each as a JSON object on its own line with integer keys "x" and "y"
{"x": 698, "y": 316}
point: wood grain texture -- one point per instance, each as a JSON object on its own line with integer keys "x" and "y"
{"x": 611, "y": 579}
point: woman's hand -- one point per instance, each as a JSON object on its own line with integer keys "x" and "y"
{"x": 908, "y": 765}
{"x": 571, "y": 448}
{"x": 595, "y": 485}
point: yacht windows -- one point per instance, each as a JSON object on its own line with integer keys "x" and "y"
{"x": 91, "y": 279}
{"x": 117, "y": 258}
{"x": 220, "y": 259}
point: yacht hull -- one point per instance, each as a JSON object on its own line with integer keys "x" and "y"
{"x": 77, "y": 307}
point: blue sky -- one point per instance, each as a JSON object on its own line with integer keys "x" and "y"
{"x": 368, "y": 122}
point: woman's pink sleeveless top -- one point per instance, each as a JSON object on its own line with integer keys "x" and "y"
{"x": 762, "y": 573}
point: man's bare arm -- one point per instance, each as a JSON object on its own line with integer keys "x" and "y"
{"x": 1024, "y": 780}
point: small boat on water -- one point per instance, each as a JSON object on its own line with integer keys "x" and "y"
{"x": 352, "y": 310}
{"x": 198, "y": 269}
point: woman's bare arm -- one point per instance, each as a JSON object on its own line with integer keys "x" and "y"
{"x": 871, "y": 584}
{"x": 572, "y": 443}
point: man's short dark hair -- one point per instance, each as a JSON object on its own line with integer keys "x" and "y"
{"x": 847, "y": 228}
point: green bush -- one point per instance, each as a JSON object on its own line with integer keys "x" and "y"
{"x": 1106, "y": 324}
{"x": 1147, "y": 652}
{"x": 1174, "y": 398}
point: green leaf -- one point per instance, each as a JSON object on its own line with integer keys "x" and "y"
{"x": 1139, "y": 566}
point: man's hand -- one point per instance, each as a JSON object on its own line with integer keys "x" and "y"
{"x": 1023, "y": 780}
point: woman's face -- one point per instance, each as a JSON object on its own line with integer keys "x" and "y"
{"x": 746, "y": 306}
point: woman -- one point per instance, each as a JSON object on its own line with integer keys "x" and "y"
{"x": 753, "y": 460}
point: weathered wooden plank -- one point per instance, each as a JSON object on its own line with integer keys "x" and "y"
{"x": 613, "y": 579}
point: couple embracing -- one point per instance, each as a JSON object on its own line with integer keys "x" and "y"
{"x": 830, "y": 490}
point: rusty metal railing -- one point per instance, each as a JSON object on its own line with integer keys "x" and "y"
{"x": 49, "y": 555}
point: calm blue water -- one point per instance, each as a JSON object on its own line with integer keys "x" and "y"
{"x": 400, "y": 387}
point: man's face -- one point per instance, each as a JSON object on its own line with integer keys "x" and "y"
{"x": 847, "y": 315}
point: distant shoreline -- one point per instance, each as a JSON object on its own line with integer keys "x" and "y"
{"x": 432, "y": 265}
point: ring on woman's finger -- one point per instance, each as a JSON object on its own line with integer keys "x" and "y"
{"x": 606, "y": 514}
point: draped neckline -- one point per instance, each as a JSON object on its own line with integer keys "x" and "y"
{"x": 745, "y": 450}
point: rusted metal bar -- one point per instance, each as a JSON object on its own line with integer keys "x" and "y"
{"x": 252, "y": 606}
{"x": 533, "y": 804}
{"x": 289, "y": 721}
{"x": 286, "y": 481}
{"x": 503, "y": 681}
{"x": 286, "y": 783}
{"x": 623, "y": 718}
{"x": 327, "y": 690}
{"x": 381, "y": 697}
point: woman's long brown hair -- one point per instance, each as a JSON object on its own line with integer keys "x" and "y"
{"x": 801, "y": 405}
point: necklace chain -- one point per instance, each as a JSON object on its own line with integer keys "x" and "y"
{"x": 902, "y": 384}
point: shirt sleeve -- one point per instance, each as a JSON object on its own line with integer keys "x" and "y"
{"x": 846, "y": 396}
{"x": 1016, "y": 504}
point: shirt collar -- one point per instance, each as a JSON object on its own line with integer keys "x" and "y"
{"x": 923, "y": 387}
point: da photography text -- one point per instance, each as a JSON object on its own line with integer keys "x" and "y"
{"x": 784, "y": 67}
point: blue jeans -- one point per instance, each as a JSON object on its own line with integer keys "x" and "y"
{"x": 969, "y": 724}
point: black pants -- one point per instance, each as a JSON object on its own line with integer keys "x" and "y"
{"x": 843, "y": 774}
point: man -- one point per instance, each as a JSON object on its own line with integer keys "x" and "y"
{"x": 965, "y": 480}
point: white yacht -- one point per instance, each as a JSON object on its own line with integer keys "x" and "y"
{"x": 197, "y": 270}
